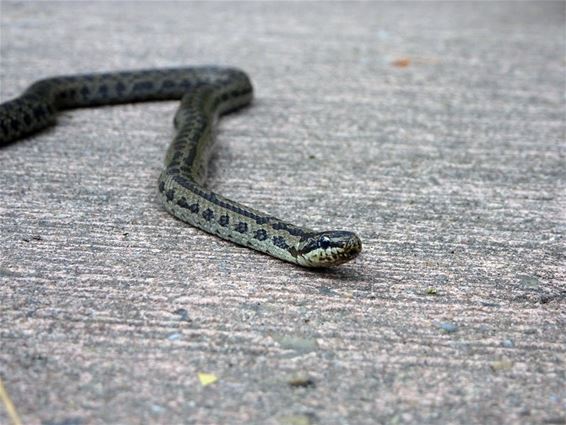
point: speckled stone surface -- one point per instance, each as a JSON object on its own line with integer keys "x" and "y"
{"x": 434, "y": 130}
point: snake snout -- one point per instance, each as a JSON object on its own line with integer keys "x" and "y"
{"x": 348, "y": 242}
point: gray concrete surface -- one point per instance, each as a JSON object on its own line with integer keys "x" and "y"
{"x": 434, "y": 130}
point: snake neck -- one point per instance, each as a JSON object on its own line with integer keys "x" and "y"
{"x": 212, "y": 212}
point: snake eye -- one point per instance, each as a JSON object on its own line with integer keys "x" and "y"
{"x": 324, "y": 242}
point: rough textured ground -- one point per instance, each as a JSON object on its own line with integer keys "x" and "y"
{"x": 434, "y": 130}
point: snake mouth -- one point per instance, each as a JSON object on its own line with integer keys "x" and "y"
{"x": 329, "y": 249}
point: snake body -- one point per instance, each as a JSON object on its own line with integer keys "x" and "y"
{"x": 206, "y": 93}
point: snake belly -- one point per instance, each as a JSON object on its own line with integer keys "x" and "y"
{"x": 206, "y": 93}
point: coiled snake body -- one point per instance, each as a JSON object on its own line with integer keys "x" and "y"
{"x": 205, "y": 93}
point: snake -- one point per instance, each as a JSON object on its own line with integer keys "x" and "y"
{"x": 205, "y": 94}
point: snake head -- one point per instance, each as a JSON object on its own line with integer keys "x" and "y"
{"x": 328, "y": 249}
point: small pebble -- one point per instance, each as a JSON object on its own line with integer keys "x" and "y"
{"x": 431, "y": 291}
{"x": 183, "y": 314}
{"x": 301, "y": 381}
{"x": 501, "y": 365}
{"x": 529, "y": 282}
{"x": 296, "y": 343}
{"x": 449, "y": 327}
{"x": 174, "y": 336}
{"x": 156, "y": 408}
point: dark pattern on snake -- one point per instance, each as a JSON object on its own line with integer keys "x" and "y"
{"x": 206, "y": 93}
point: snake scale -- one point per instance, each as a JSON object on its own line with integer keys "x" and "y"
{"x": 205, "y": 92}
